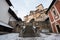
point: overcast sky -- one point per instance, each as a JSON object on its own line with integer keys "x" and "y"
{"x": 23, "y": 7}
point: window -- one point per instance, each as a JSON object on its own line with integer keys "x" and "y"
{"x": 58, "y": 28}
{"x": 54, "y": 12}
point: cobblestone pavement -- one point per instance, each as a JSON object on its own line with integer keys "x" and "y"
{"x": 15, "y": 36}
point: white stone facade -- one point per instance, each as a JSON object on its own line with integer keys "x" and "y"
{"x": 4, "y": 14}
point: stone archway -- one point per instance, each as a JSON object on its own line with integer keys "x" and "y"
{"x": 32, "y": 20}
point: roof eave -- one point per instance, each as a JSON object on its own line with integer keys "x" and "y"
{"x": 51, "y": 6}
{"x": 9, "y": 2}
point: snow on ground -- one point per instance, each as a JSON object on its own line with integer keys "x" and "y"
{"x": 14, "y": 36}
{"x": 53, "y": 37}
{"x": 11, "y": 36}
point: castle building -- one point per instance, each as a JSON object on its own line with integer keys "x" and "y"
{"x": 37, "y": 15}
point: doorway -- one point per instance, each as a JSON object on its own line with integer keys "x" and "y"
{"x": 58, "y": 28}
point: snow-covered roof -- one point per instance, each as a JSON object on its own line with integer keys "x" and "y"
{"x": 6, "y": 25}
